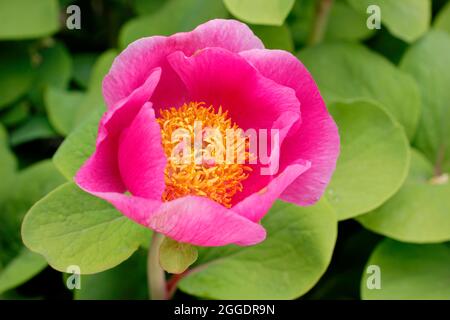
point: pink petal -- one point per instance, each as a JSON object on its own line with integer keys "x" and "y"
{"x": 141, "y": 157}
{"x": 222, "y": 78}
{"x": 133, "y": 66}
{"x": 201, "y": 221}
{"x": 317, "y": 140}
{"x": 255, "y": 206}
{"x": 101, "y": 171}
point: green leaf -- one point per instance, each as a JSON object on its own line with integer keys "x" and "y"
{"x": 419, "y": 212}
{"x": 433, "y": 77}
{"x": 28, "y": 186}
{"x": 8, "y": 165}
{"x": 174, "y": 16}
{"x": 374, "y": 158}
{"x": 22, "y": 268}
{"x": 346, "y": 71}
{"x": 126, "y": 281}
{"x": 286, "y": 265}
{"x": 16, "y": 73}
{"x": 24, "y": 19}
{"x": 77, "y": 147}
{"x": 35, "y": 128}
{"x": 70, "y": 227}
{"x": 176, "y": 257}
{"x": 143, "y": 7}
{"x": 409, "y": 272}
{"x": 442, "y": 20}
{"x": 266, "y": 12}
{"x": 275, "y": 37}
{"x": 345, "y": 23}
{"x": 15, "y": 114}
{"x": 55, "y": 68}
{"x": 83, "y": 64}
{"x": 62, "y": 107}
{"x": 406, "y": 19}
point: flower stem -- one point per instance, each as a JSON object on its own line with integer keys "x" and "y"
{"x": 155, "y": 274}
{"x": 320, "y": 22}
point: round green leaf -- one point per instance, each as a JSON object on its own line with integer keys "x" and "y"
{"x": 16, "y": 74}
{"x": 267, "y": 12}
{"x": 433, "y": 77}
{"x": 374, "y": 158}
{"x": 405, "y": 19}
{"x": 409, "y": 272}
{"x": 70, "y": 227}
{"x": 419, "y": 212}
{"x": 286, "y": 265}
{"x": 174, "y": 16}
{"x": 62, "y": 107}
{"x": 22, "y": 268}
{"x": 346, "y": 71}
{"x": 24, "y": 19}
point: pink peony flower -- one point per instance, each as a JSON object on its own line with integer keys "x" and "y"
{"x": 219, "y": 74}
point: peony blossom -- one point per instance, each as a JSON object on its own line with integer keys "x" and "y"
{"x": 218, "y": 74}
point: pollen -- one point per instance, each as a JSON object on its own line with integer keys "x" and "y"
{"x": 207, "y": 153}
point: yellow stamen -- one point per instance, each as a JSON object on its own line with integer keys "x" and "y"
{"x": 206, "y": 169}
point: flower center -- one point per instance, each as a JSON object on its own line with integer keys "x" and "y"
{"x": 206, "y": 153}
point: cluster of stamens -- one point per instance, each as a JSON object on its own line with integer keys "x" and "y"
{"x": 211, "y": 165}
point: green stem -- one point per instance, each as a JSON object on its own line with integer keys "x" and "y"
{"x": 155, "y": 274}
{"x": 320, "y": 21}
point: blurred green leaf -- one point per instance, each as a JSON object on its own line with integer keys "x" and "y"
{"x": 8, "y": 165}
{"x": 287, "y": 264}
{"x": 22, "y": 268}
{"x": 126, "y": 281}
{"x": 275, "y": 37}
{"x": 28, "y": 187}
{"x": 433, "y": 77}
{"x": 442, "y": 20}
{"x": 143, "y": 7}
{"x": 77, "y": 147}
{"x": 347, "y": 71}
{"x": 71, "y": 227}
{"x": 83, "y": 64}
{"x": 54, "y": 70}
{"x": 16, "y": 73}
{"x": 374, "y": 158}
{"x": 175, "y": 16}
{"x": 345, "y": 23}
{"x": 419, "y": 212}
{"x": 406, "y": 19}
{"x": 15, "y": 114}
{"x": 24, "y": 19}
{"x": 62, "y": 107}
{"x": 265, "y": 12}
{"x": 409, "y": 272}
{"x": 35, "y": 128}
